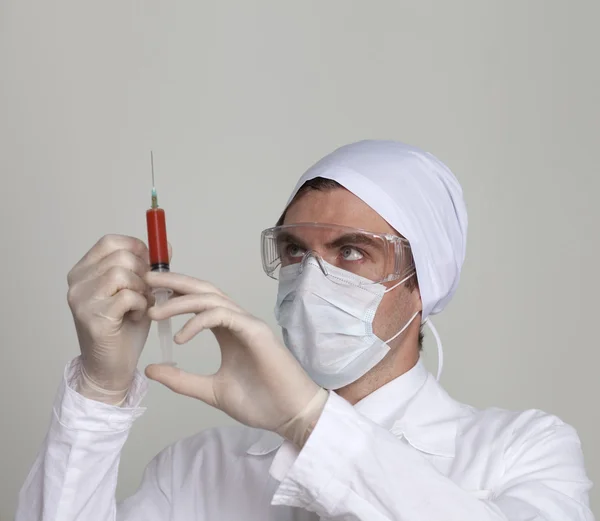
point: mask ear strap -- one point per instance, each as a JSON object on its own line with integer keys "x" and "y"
{"x": 440, "y": 347}
{"x": 404, "y": 328}
{"x": 399, "y": 283}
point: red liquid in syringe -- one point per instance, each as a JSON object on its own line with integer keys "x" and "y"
{"x": 157, "y": 237}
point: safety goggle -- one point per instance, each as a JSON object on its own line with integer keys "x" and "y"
{"x": 376, "y": 257}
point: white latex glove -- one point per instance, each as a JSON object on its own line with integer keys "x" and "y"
{"x": 259, "y": 382}
{"x": 108, "y": 298}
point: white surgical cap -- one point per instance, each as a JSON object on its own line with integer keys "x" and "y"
{"x": 418, "y": 196}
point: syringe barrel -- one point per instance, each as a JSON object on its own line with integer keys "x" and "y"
{"x": 157, "y": 239}
{"x": 165, "y": 333}
{"x": 165, "y": 338}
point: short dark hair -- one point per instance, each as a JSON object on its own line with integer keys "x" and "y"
{"x": 318, "y": 183}
{"x": 323, "y": 184}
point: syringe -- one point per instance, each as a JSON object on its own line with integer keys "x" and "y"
{"x": 159, "y": 261}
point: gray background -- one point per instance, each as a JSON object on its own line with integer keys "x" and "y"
{"x": 237, "y": 99}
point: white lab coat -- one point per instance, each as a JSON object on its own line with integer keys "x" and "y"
{"x": 407, "y": 452}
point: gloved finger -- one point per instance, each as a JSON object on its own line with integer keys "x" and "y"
{"x": 188, "y": 384}
{"x": 138, "y": 315}
{"x": 192, "y": 303}
{"x": 104, "y": 247}
{"x": 117, "y": 259}
{"x": 182, "y": 284}
{"x": 221, "y": 317}
{"x": 125, "y": 301}
{"x": 117, "y": 279}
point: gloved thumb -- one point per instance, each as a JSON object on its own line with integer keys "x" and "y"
{"x": 192, "y": 385}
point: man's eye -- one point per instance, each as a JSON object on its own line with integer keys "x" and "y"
{"x": 350, "y": 253}
{"x": 294, "y": 251}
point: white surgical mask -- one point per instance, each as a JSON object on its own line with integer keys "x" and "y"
{"x": 328, "y": 325}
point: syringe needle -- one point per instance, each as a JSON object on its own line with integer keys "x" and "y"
{"x": 152, "y": 166}
{"x": 154, "y": 195}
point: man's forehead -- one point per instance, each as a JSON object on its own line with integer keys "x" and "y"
{"x": 336, "y": 206}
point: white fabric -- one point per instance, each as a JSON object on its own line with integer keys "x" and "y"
{"x": 407, "y": 452}
{"x": 327, "y": 321}
{"x": 418, "y": 196}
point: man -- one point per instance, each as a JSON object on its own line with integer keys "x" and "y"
{"x": 344, "y": 422}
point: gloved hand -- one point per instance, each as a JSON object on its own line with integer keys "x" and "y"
{"x": 109, "y": 298}
{"x": 259, "y": 382}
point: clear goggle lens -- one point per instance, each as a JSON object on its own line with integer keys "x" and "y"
{"x": 376, "y": 257}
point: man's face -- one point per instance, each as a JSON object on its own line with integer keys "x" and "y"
{"x": 341, "y": 207}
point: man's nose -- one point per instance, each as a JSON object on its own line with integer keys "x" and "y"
{"x": 311, "y": 254}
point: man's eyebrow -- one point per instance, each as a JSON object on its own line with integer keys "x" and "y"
{"x": 354, "y": 238}
{"x": 285, "y": 237}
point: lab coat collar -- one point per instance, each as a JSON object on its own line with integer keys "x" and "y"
{"x": 428, "y": 422}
